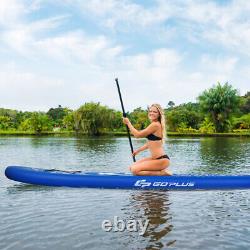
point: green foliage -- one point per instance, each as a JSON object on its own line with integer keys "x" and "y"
{"x": 190, "y": 106}
{"x": 182, "y": 128}
{"x": 8, "y": 119}
{"x": 222, "y": 110}
{"x": 242, "y": 122}
{"x": 8, "y": 112}
{"x": 219, "y": 103}
{"x": 245, "y": 103}
{"x": 38, "y": 122}
{"x": 183, "y": 116}
{"x": 25, "y": 125}
{"x": 207, "y": 126}
{"x": 116, "y": 121}
{"x": 15, "y": 118}
{"x": 68, "y": 121}
{"x": 58, "y": 114}
{"x": 139, "y": 118}
{"x": 5, "y": 122}
{"x": 171, "y": 104}
{"x": 92, "y": 118}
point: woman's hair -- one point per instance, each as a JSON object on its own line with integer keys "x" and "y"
{"x": 161, "y": 119}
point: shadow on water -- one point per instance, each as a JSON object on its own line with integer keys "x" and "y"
{"x": 22, "y": 187}
{"x": 221, "y": 155}
{"x": 153, "y": 206}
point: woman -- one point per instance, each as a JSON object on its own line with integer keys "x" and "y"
{"x": 155, "y": 133}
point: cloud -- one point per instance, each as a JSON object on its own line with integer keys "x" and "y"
{"x": 169, "y": 50}
{"x": 227, "y": 24}
{"x": 37, "y": 39}
{"x": 25, "y": 87}
{"x": 78, "y": 47}
{"x": 197, "y": 21}
{"x": 125, "y": 15}
{"x": 23, "y": 37}
{"x": 10, "y": 12}
{"x": 219, "y": 64}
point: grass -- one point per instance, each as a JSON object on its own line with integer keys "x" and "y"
{"x": 18, "y": 132}
{"x": 121, "y": 133}
{"x": 233, "y": 134}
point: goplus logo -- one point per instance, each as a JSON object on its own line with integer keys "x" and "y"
{"x": 145, "y": 183}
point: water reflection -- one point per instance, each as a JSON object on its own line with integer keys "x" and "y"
{"x": 155, "y": 207}
{"x": 222, "y": 155}
{"x": 95, "y": 144}
{"x": 38, "y": 217}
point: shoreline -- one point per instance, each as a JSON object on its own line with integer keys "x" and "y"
{"x": 73, "y": 133}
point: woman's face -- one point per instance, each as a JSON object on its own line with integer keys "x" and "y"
{"x": 153, "y": 114}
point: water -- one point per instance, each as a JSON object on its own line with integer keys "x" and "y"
{"x": 36, "y": 217}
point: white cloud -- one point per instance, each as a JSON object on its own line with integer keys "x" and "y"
{"x": 126, "y": 14}
{"x": 10, "y": 12}
{"x": 77, "y": 47}
{"x": 227, "y": 25}
{"x": 23, "y": 37}
{"x": 88, "y": 63}
{"x": 21, "y": 88}
{"x": 219, "y": 63}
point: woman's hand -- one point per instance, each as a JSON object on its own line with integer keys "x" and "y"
{"x": 135, "y": 152}
{"x": 125, "y": 120}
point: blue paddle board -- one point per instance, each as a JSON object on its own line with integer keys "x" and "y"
{"x": 53, "y": 177}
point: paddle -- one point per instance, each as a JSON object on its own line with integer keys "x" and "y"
{"x": 124, "y": 115}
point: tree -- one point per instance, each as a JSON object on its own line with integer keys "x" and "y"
{"x": 39, "y": 122}
{"x": 171, "y": 104}
{"x": 219, "y": 103}
{"x": 5, "y": 122}
{"x": 181, "y": 117}
{"x": 57, "y": 114}
{"x": 207, "y": 126}
{"x": 242, "y": 122}
{"x": 139, "y": 118}
{"x": 91, "y": 118}
{"x": 245, "y": 105}
{"x": 116, "y": 121}
{"x": 11, "y": 115}
{"x": 68, "y": 121}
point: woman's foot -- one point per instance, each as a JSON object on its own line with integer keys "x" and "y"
{"x": 166, "y": 172}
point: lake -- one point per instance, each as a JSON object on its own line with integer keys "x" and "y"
{"x": 37, "y": 217}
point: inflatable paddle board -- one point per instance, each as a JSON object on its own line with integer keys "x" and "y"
{"x": 53, "y": 177}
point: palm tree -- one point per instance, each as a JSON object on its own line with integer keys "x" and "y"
{"x": 219, "y": 103}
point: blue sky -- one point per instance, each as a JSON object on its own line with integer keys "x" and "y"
{"x": 69, "y": 52}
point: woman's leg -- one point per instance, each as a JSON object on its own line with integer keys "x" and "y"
{"x": 140, "y": 161}
{"x": 143, "y": 159}
{"x": 151, "y": 167}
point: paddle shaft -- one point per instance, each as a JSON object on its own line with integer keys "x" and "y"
{"x": 124, "y": 115}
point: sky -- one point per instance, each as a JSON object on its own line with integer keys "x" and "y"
{"x": 70, "y": 52}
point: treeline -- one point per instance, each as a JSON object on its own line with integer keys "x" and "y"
{"x": 218, "y": 109}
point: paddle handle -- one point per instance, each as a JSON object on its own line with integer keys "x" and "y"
{"x": 124, "y": 115}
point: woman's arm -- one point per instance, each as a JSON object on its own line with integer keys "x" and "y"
{"x": 141, "y": 133}
{"x": 144, "y": 147}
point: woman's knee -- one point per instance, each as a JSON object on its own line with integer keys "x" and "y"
{"x": 134, "y": 170}
{"x": 167, "y": 163}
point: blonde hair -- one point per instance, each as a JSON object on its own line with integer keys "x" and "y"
{"x": 162, "y": 119}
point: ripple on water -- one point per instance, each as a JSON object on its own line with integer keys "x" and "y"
{"x": 35, "y": 217}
